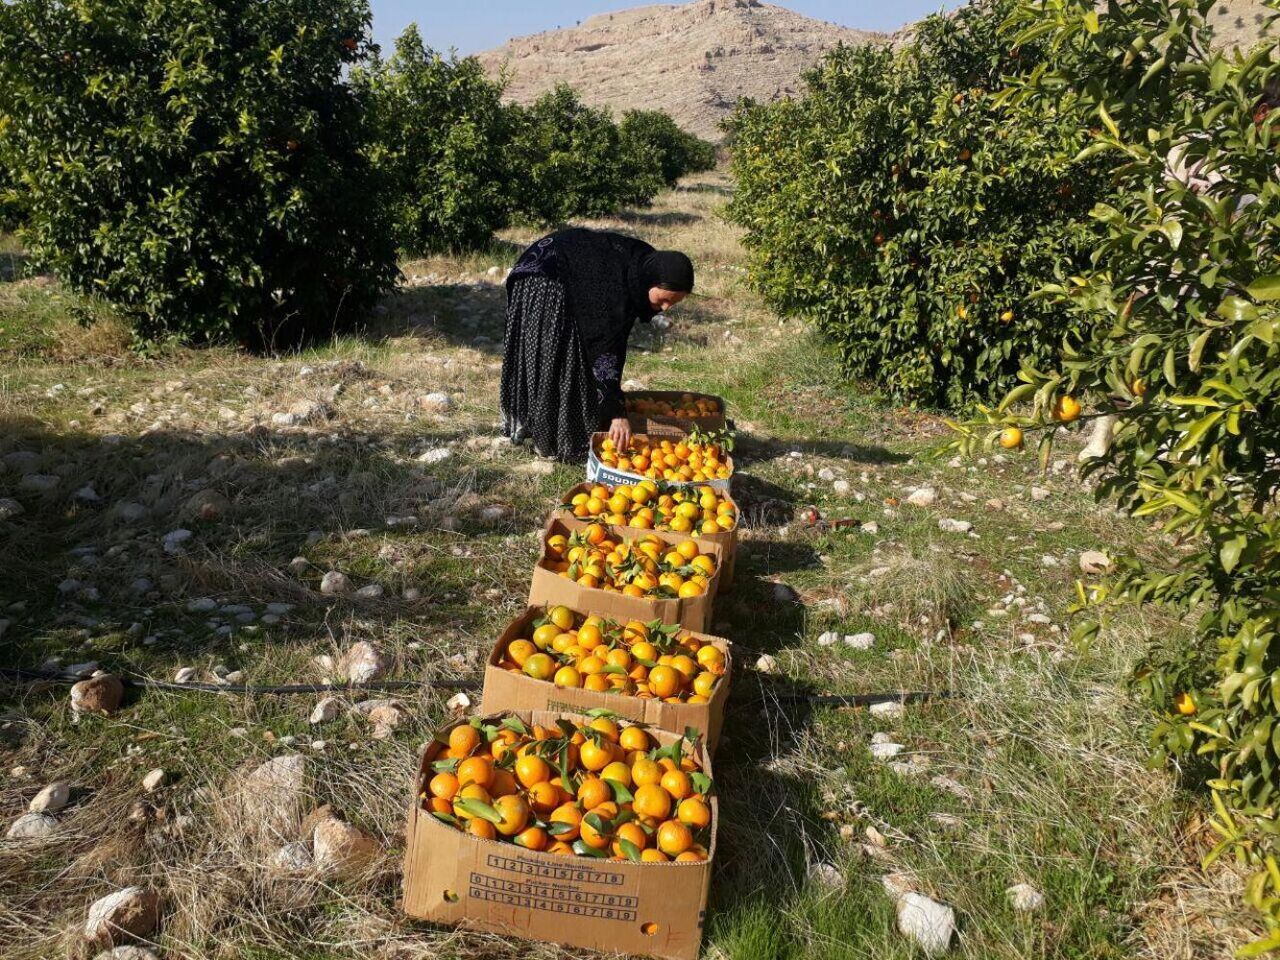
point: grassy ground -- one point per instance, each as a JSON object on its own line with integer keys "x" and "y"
{"x": 1034, "y": 773}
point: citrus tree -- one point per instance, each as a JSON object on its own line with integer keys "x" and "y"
{"x": 677, "y": 152}
{"x": 908, "y": 211}
{"x": 202, "y": 165}
{"x": 567, "y": 160}
{"x": 1177, "y": 338}
{"x": 441, "y": 134}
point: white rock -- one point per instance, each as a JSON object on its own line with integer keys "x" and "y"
{"x": 127, "y": 952}
{"x": 293, "y": 857}
{"x": 154, "y": 780}
{"x": 342, "y": 848}
{"x": 826, "y": 474}
{"x": 767, "y": 663}
{"x": 32, "y": 826}
{"x": 273, "y": 795}
{"x": 889, "y": 708}
{"x": 10, "y": 508}
{"x": 828, "y": 638}
{"x": 1095, "y": 562}
{"x": 949, "y": 525}
{"x": 435, "y": 455}
{"x": 38, "y": 483}
{"x": 86, "y": 494}
{"x": 458, "y": 703}
{"x": 411, "y": 594}
{"x": 325, "y": 711}
{"x": 131, "y": 912}
{"x": 826, "y": 874}
{"x": 493, "y": 271}
{"x": 185, "y": 674}
{"x": 175, "y": 540}
{"x": 202, "y": 605}
{"x": 926, "y": 921}
{"x": 1040, "y": 493}
{"x": 923, "y": 497}
{"x": 871, "y": 527}
{"x": 365, "y": 663}
{"x": 860, "y": 641}
{"x": 371, "y": 591}
{"x": 886, "y": 751}
{"x": 436, "y": 403}
{"x": 335, "y": 582}
{"x": 1100, "y": 440}
{"x": 493, "y": 512}
{"x": 1024, "y": 898}
{"x": 51, "y": 799}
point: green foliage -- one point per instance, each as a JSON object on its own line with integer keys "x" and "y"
{"x": 567, "y": 161}
{"x": 1183, "y": 349}
{"x": 441, "y": 134}
{"x": 678, "y": 152}
{"x": 10, "y": 197}
{"x": 909, "y": 211}
{"x": 201, "y": 165}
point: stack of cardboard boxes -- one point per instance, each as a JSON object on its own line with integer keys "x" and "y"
{"x": 612, "y": 905}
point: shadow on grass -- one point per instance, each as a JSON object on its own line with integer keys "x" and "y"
{"x": 93, "y": 549}
{"x": 655, "y": 218}
{"x": 14, "y": 266}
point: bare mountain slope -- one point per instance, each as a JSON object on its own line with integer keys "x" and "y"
{"x": 693, "y": 60}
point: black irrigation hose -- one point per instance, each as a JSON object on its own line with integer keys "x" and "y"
{"x": 462, "y": 683}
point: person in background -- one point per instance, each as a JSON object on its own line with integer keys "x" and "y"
{"x": 572, "y": 299}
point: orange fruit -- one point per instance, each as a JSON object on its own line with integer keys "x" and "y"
{"x": 562, "y": 616}
{"x": 634, "y": 738}
{"x": 1011, "y": 438}
{"x": 651, "y": 800}
{"x": 632, "y": 832}
{"x": 607, "y": 727}
{"x": 617, "y": 771}
{"x": 594, "y": 757}
{"x": 694, "y": 813}
{"x": 1066, "y": 409}
{"x": 470, "y": 791}
{"x": 503, "y": 783}
{"x": 568, "y": 677}
{"x": 514, "y": 812}
{"x": 704, "y": 683}
{"x": 674, "y": 838}
{"x": 521, "y": 650}
{"x": 592, "y": 792}
{"x": 677, "y": 783}
{"x": 653, "y": 855}
{"x": 664, "y": 681}
{"x": 645, "y": 771}
{"x": 567, "y": 814}
{"x": 593, "y": 837}
{"x": 540, "y": 666}
{"x": 532, "y": 838}
{"x": 543, "y": 797}
{"x": 477, "y": 770}
{"x": 464, "y": 739}
{"x": 439, "y": 805}
{"x": 531, "y": 770}
{"x": 482, "y": 828}
{"x": 443, "y": 785}
{"x": 1185, "y": 704}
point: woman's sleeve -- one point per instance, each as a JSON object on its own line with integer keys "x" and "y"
{"x": 607, "y": 370}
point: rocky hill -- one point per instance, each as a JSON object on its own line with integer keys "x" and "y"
{"x": 693, "y": 60}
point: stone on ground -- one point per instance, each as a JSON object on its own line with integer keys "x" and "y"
{"x": 126, "y": 914}
{"x": 101, "y": 695}
{"x": 1095, "y": 562}
{"x": 51, "y": 799}
{"x": 335, "y": 582}
{"x": 32, "y": 826}
{"x": 272, "y": 796}
{"x": 342, "y": 848}
{"x": 923, "y": 497}
{"x": 926, "y": 921}
{"x": 1024, "y": 898}
{"x": 365, "y": 663}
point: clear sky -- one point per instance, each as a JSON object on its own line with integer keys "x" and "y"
{"x": 474, "y": 25}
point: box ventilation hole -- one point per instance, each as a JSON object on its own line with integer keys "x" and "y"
{"x": 450, "y": 896}
{"x": 649, "y": 929}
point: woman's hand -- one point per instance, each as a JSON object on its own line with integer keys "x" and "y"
{"x": 620, "y": 433}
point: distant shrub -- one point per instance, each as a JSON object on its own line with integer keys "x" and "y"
{"x": 441, "y": 134}
{"x": 567, "y": 160}
{"x": 909, "y": 212}
{"x": 677, "y": 152}
{"x": 202, "y": 166}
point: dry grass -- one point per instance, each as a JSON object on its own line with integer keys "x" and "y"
{"x": 1044, "y": 738}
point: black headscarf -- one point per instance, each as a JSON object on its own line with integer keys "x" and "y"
{"x": 669, "y": 270}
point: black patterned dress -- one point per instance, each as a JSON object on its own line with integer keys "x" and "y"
{"x": 572, "y": 299}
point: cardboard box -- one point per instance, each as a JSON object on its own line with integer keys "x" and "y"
{"x": 598, "y": 472}
{"x": 505, "y": 690}
{"x": 726, "y": 538}
{"x": 548, "y": 587}
{"x": 653, "y": 909}
{"x": 656, "y": 425}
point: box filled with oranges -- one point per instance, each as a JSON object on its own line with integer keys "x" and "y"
{"x": 559, "y": 827}
{"x": 701, "y": 511}
{"x": 672, "y": 413}
{"x": 555, "y": 658}
{"x": 675, "y": 460}
{"x": 641, "y": 574}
